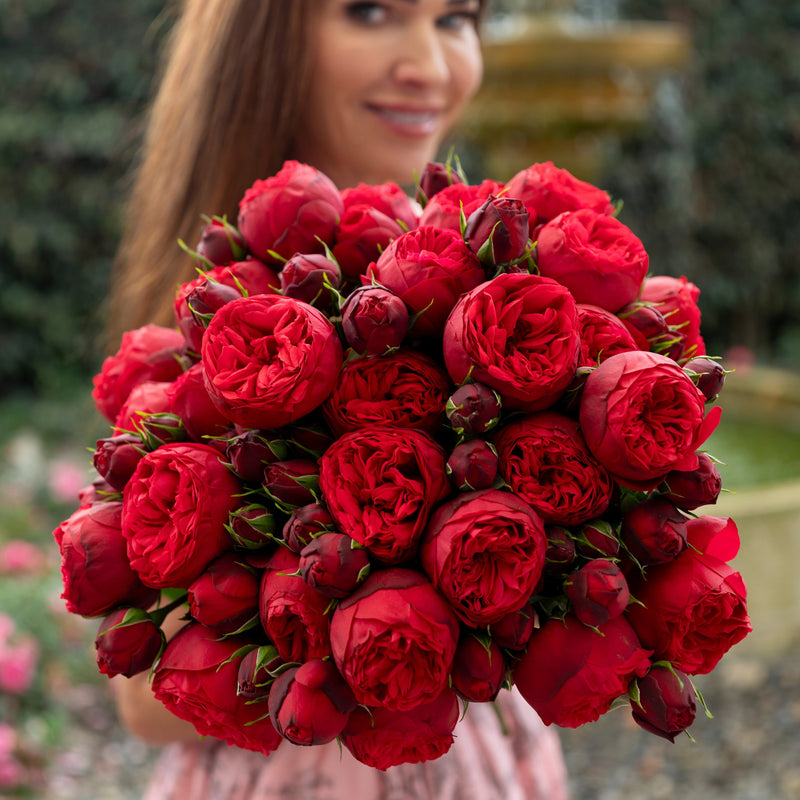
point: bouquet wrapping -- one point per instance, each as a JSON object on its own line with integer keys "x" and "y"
{"x": 398, "y": 455}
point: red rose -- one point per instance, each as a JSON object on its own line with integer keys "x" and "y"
{"x": 518, "y": 335}
{"x": 473, "y": 409}
{"x": 429, "y": 269}
{"x": 602, "y": 335}
{"x": 435, "y": 176}
{"x": 294, "y": 211}
{"x": 150, "y": 353}
{"x": 381, "y": 484}
{"x": 708, "y": 375}
{"x": 484, "y": 551}
{"x": 115, "y": 458}
{"x": 381, "y": 738}
{"x": 332, "y": 563}
{"x": 404, "y": 389}
{"x": 654, "y": 531}
{"x": 479, "y": 669}
{"x": 220, "y": 243}
{"x": 473, "y": 465}
{"x": 598, "y": 592}
{"x": 666, "y": 704}
{"x": 363, "y": 234}
{"x": 374, "y": 320}
{"x": 127, "y": 642}
{"x": 270, "y": 360}
{"x": 310, "y": 279}
{"x": 149, "y": 397}
{"x": 695, "y": 606}
{"x": 291, "y": 483}
{"x": 394, "y": 639}
{"x": 388, "y": 198}
{"x": 188, "y": 399}
{"x": 595, "y": 256}
{"x": 571, "y": 674}
{"x": 304, "y": 524}
{"x": 175, "y": 508}
{"x": 676, "y": 299}
{"x": 642, "y": 417}
{"x": 249, "y": 452}
{"x": 293, "y": 613}
{"x": 94, "y": 566}
{"x": 694, "y": 488}
{"x": 548, "y": 191}
{"x": 500, "y": 227}
{"x": 196, "y": 680}
{"x": 544, "y": 459}
{"x": 444, "y": 209}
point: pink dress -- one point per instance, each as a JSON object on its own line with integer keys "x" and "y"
{"x": 484, "y": 763}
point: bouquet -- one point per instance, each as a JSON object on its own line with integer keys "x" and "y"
{"x": 400, "y": 455}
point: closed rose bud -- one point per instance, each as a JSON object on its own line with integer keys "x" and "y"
{"x": 220, "y": 243}
{"x": 225, "y": 596}
{"x": 292, "y": 483}
{"x": 695, "y": 488}
{"x": 666, "y": 704}
{"x": 304, "y": 524}
{"x": 498, "y": 231}
{"x": 374, "y": 320}
{"x": 473, "y": 465}
{"x": 309, "y": 440}
{"x": 257, "y": 672}
{"x": 435, "y": 177}
{"x": 654, "y": 531}
{"x": 310, "y": 278}
{"x": 116, "y": 457}
{"x": 310, "y": 704}
{"x": 514, "y": 630}
{"x": 473, "y": 409}
{"x": 127, "y": 642}
{"x": 644, "y": 322}
{"x": 597, "y": 538}
{"x": 479, "y": 668}
{"x": 205, "y": 299}
{"x": 252, "y": 527}
{"x": 598, "y": 592}
{"x": 334, "y": 564}
{"x": 250, "y": 452}
{"x": 162, "y": 428}
{"x": 708, "y": 375}
{"x": 561, "y": 549}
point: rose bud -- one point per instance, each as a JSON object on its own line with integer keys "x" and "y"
{"x": 292, "y": 483}
{"x": 473, "y": 409}
{"x": 479, "y": 668}
{"x": 98, "y": 491}
{"x": 225, "y": 596}
{"x": 598, "y": 592}
{"x": 220, "y": 243}
{"x": 252, "y": 527}
{"x": 676, "y": 299}
{"x": 364, "y": 232}
{"x": 304, "y": 524}
{"x": 497, "y": 232}
{"x": 515, "y": 629}
{"x": 207, "y": 298}
{"x": 374, "y": 320}
{"x": 334, "y": 564}
{"x": 666, "y": 702}
{"x": 561, "y": 548}
{"x": 644, "y": 322}
{"x": 310, "y": 704}
{"x": 597, "y": 538}
{"x": 654, "y": 531}
{"x": 310, "y": 278}
{"x": 309, "y": 439}
{"x": 162, "y": 428}
{"x": 435, "y": 177}
{"x": 250, "y": 452}
{"x": 473, "y": 465}
{"x": 116, "y": 457}
{"x": 708, "y": 375}
{"x": 145, "y": 399}
{"x": 257, "y": 672}
{"x": 695, "y": 488}
{"x": 127, "y": 642}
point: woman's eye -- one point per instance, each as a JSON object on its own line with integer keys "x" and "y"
{"x": 368, "y": 13}
{"x": 459, "y": 20}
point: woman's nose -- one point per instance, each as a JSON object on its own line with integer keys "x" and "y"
{"x": 422, "y": 59}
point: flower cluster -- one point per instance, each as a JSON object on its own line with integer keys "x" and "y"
{"x": 395, "y": 455}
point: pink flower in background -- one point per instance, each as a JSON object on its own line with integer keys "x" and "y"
{"x": 18, "y": 557}
{"x": 17, "y": 659}
{"x": 11, "y": 771}
{"x": 65, "y": 480}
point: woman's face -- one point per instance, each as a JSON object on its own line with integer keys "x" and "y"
{"x": 389, "y": 79}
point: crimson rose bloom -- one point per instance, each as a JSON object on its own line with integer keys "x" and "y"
{"x": 676, "y": 299}
{"x": 188, "y": 399}
{"x": 429, "y": 268}
{"x": 484, "y": 551}
{"x": 334, "y": 564}
{"x": 94, "y": 566}
{"x": 544, "y": 459}
{"x": 404, "y": 389}
{"x": 516, "y": 334}
{"x": 571, "y": 674}
{"x": 363, "y": 234}
{"x": 642, "y": 416}
{"x": 381, "y": 484}
{"x": 270, "y": 360}
{"x": 602, "y": 335}
{"x": 595, "y": 256}
{"x": 149, "y": 397}
{"x": 598, "y": 592}
{"x": 654, "y": 531}
{"x": 294, "y": 211}
{"x": 388, "y": 198}
{"x": 696, "y": 487}
{"x": 175, "y": 507}
{"x": 695, "y": 606}
{"x": 196, "y": 680}
{"x": 381, "y": 738}
{"x": 150, "y": 353}
{"x": 394, "y": 640}
{"x": 127, "y": 642}
{"x": 444, "y": 209}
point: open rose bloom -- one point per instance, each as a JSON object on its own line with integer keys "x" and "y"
{"x": 453, "y": 465}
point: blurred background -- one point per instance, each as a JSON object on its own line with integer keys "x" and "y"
{"x": 687, "y": 111}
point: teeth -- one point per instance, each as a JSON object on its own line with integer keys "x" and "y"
{"x": 410, "y": 117}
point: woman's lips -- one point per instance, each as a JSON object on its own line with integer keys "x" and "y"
{"x": 415, "y": 122}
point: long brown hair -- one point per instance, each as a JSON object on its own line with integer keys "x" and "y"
{"x": 225, "y": 114}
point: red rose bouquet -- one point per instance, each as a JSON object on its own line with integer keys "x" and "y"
{"x": 393, "y": 459}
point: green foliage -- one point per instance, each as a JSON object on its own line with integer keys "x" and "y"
{"x": 74, "y": 76}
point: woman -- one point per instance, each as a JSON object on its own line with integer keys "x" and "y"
{"x": 365, "y": 91}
